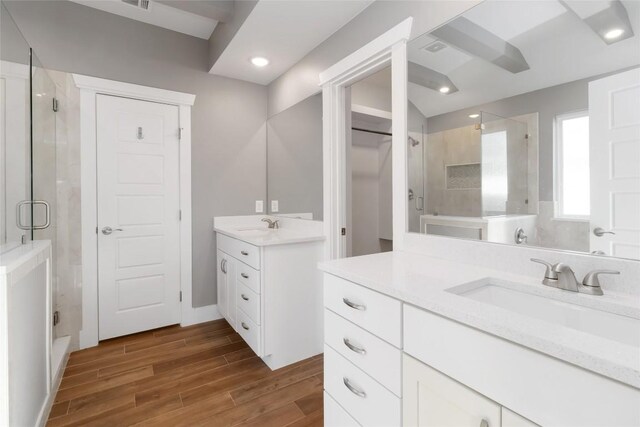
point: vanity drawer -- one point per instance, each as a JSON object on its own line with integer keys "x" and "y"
{"x": 249, "y": 276}
{"x": 376, "y": 357}
{"x": 249, "y": 302}
{"x": 376, "y": 313}
{"x": 375, "y": 406}
{"x": 238, "y": 249}
{"x": 335, "y": 416}
{"x": 249, "y": 331}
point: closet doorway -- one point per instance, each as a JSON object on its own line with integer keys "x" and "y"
{"x": 368, "y": 187}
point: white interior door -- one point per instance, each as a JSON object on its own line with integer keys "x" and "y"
{"x": 138, "y": 215}
{"x": 614, "y": 127}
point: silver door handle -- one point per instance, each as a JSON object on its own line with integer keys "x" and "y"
{"x": 354, "y": 348}
{"x": 244, "y": 297}
{"x": 108, "y": 230}
{"x": 244, "y": 326}
{"x": 352, "y": 388}
{"x": 245, "y": 253}
{"x": 47, "y": 213}
{"x": 223, "y": 266}
{"x": 246, "y": 276}
{"x": 354, "y": 305}
{"x": 599, "y": 232}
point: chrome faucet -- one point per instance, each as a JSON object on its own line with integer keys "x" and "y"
{"x": 561, "y": 276}
{"x": 273, "y": 223}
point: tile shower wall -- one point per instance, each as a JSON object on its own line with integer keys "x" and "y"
{"x": 68, "y": 287}
{"x": 458, "y": 148}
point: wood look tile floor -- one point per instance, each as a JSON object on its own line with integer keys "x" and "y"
{"x": 199, "y": 375}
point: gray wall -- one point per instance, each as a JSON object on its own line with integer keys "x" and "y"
{"x": 548, "y": 102}
{"x": 294, "y": 158}
{"x": 301, "y": 80}
{"x": 228, "y": 118}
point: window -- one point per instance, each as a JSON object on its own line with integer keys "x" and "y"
{"x": 572, "y": 165}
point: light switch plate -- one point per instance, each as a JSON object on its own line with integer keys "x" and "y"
{"x": 274, "y": 206}
{"x": 259, "y": 206}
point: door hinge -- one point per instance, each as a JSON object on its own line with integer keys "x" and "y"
{"x": 343, "y": 231}
{"x": 56, "y": 317}
{"x": 180, "y": 215}
{"x": 54, "y": 105}
{"x": 180, "y": 296}
{"x": 179, "y": 134}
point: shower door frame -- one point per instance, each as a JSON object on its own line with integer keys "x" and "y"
{"x": 90, "y": 87}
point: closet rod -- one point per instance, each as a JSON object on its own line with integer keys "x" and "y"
{"x": 373, "y": 131}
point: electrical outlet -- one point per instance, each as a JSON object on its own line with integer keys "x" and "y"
{"x": 259, "y": 206}
{"x": 274, "y": 206}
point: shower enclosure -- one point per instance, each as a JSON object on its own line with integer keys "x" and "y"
{"x": 28, "y": 218}
{"x": 458, "y": 175}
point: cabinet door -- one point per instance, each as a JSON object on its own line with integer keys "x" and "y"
{"x": 223, "y": 299}
{"x": 231, "y": 266}
{"x": 511, "y": 419}
{"x": 431, "y": 399}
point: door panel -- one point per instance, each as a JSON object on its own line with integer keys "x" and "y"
{"x": 614, "y": 117}
{"x": 431, "y": 399}
{"x": 138, "y": 199}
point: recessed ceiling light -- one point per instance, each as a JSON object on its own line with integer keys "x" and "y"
{"x": 259, "y": 61}
{"x": 474, "y": 116}
{"x": 613, "y": 34}
{"x": 444, "y": 89}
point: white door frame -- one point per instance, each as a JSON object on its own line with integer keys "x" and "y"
{"x": 90, "y": 87}
{"x": 388, "y": 49}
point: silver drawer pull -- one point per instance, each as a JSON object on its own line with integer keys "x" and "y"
{"x": 245, "y": 275}
{"x": 353, "y": 347}
{"x": 244, "y": 297}
{"x": 354, "y": 305}
{"x": 353, "y": 389}
{"x": 244, "y": 326}
{"x": 245, "y": 253}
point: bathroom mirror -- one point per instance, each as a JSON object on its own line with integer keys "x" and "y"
{"x": 524, "y": 126}
{"x": 294, "y": 161}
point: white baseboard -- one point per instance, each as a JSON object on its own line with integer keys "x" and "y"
{"x": 201, "y": 314}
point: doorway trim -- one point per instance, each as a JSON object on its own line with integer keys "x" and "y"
{"x": 89, "y": 88}
{"x": 388, "y": 49}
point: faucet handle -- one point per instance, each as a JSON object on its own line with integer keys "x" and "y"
{"x": 550, "y": 273}
{"x": 592, "y": 280}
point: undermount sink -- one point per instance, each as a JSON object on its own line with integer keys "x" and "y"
{"x": 546, "y": 304}
{"x": 254, "y": 231}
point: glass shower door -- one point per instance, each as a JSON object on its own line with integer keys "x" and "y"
{"x": 15, "y": 136}
{"x": 504, "y": 167}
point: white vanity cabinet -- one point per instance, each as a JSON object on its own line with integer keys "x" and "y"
{"x": 390, "y": 363}
{"x": 272, "y": 296}
{"x": 363, "y": 356}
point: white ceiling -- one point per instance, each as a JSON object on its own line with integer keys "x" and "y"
{"x": 160, "y": 15}
{"x": 559, "y": 48}
{"x": 283, "y": 31}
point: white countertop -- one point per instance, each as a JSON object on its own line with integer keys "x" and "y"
{"x": 263, "y": 236}
{"x": 421, "y": 281}
{"x": 18, "y": 256}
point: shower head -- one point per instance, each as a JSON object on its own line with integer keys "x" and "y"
{"x": 413, "y": 141}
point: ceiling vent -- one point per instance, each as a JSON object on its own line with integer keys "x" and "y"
{"x": 140, "y": 4}
{"x": 434, "y": 47}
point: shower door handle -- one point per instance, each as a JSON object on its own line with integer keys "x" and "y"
{"x": 47, "y": 214}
